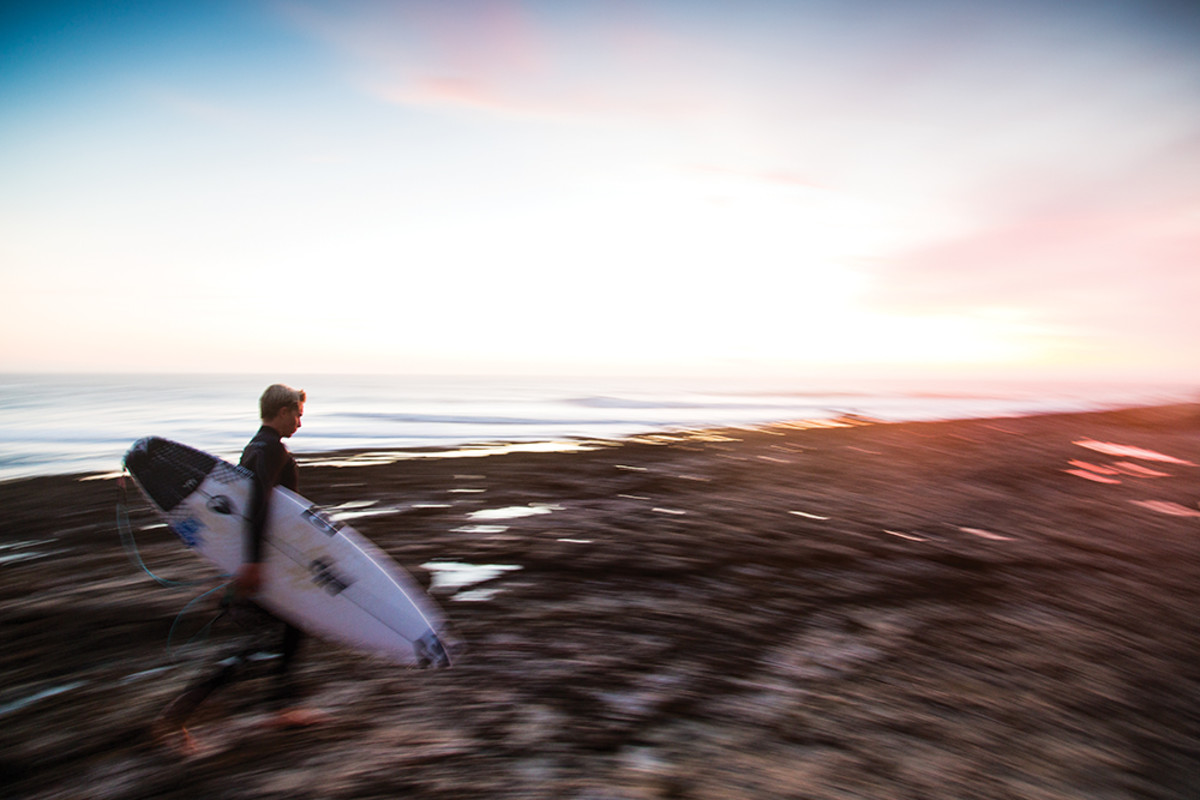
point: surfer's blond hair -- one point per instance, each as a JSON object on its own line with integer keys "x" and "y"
{"x": 277, "y": 397}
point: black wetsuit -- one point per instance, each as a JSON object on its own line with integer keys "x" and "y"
{"x": 272, "y": 465}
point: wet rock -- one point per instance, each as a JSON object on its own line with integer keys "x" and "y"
{"x": 735, "y": 649}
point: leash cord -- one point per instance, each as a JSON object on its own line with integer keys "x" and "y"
{"x": 203, "y": 630}
{"x": 129, "y": 543}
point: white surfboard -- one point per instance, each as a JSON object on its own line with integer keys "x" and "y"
{"x": 318, "y": 574}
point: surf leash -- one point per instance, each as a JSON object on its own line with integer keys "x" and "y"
{"x": 204, "y": 630}
{"x": 129, "y": 543}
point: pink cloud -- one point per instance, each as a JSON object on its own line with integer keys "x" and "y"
{"x": 473, "y": 37}
{"x": 506, "y": 57}
{"x": 1102, "y": 289}
{"x": 1120, "y": 245}
{"x": 1046, "y": 261}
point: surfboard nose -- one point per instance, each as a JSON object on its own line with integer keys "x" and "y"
{"x": 138, "y": 453}
{"x": 167, "y": 471}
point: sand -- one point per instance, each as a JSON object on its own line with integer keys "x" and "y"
{"x": 975, "y": 609}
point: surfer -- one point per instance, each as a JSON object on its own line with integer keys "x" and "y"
{"x": 281, "y": 408}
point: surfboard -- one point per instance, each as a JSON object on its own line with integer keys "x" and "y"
{"x": 319, "y": 574}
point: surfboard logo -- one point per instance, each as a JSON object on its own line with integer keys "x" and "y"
{"x": 321, "y": 521}
{"x": 220, "y": 504}
{"x": 187, "y": 530}
{"x": 326, "y": 578}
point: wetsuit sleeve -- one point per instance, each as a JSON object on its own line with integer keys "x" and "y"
{"x": 266, "y": 461}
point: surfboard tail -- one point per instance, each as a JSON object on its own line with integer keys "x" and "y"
{"x": 430, "y": 652}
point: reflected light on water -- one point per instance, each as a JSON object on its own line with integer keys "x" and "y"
{"x": 17, "y": 705}
{"x": 1104, "y": 474}
{"x": 490, "y": 529}
{"x": 451, "y": 576}
{"x": 514, "y": 512}
{"x": 1092, "y": 476}
{"x": 1167, "y": 507}
{"x": 982, "y": 534}
{"x": 910, "y": 536}
{"x": 384, "y": 457}
{"x": 1129, "y": 451}
{"x": 1137, "y": 470}
{"x": 1094, "y": 468}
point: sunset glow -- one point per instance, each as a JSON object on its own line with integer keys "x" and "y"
{"x": 696, "y": 188}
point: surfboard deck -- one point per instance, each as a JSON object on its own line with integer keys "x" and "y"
{"x": 319, "y": 574}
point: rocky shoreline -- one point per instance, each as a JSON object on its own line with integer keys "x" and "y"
{"x": 988, "y": 608}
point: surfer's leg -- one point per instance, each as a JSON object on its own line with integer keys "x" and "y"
{"x": 285, "y": 686}
{"x": 182, "y": 706}
{"x": 292, "y": 638}
{"x": 288, "y": 714}
{"x": 170, "y": 726}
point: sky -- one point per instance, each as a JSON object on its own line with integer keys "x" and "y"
{"x": 752, "y": 187}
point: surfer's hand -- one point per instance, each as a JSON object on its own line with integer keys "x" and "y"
{"x": 248, "y": 579}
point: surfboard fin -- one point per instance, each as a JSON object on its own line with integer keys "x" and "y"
{"x": 430, "y": 653}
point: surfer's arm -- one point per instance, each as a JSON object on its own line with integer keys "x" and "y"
{"x": 267, "y": 465}
{"x": 248, "y": 579}
{"x": 260, "y": 498}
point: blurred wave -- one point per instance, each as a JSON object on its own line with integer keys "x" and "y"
{"x": 64, "y": 424}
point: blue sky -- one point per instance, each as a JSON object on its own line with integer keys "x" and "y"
{"x": 769, "y": 188}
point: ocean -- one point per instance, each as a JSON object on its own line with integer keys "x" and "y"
{"x": 75, "y": 424}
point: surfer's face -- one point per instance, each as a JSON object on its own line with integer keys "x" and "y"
{"x": 287, "y": 421}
